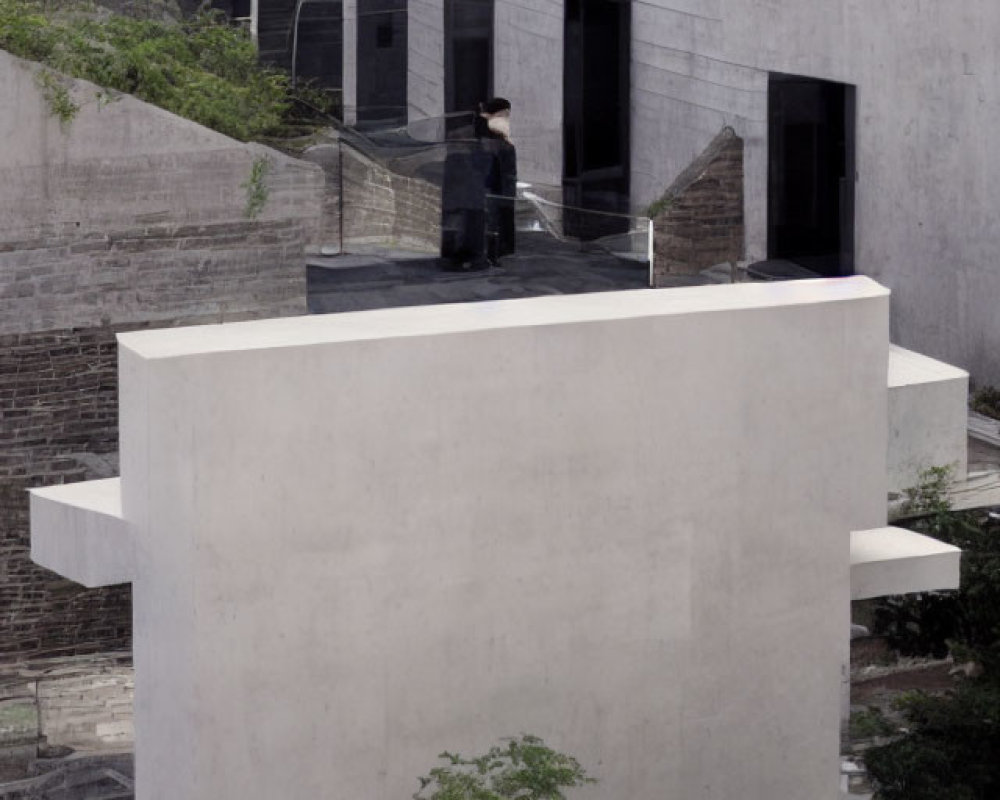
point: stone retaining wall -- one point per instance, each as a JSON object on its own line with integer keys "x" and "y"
{"x": 700, "y": 223}
{"x": 380, "y": 207}
{"x": 82, "y": 703}
{"x": 127, "y": 217}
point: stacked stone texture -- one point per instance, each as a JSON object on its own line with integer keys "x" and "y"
{"x": 128, "y": 218}
{"x": 58, "y": 387}
{"x": 79, "y": 702}
{"x": 58, "y": 396}
{"x": 702, "y": 222}
{"x": 386, "y": 208}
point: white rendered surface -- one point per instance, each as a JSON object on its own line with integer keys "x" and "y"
{"x": 77, "y": 530}
{"x": 350, "y": 88}
{"x": 473, "y": 317}
{"x": 927, "y": 177}
{"x": 425, "y": 59}
{"x": 364, "y": 538}
{"x": 890, "y": 560}
{"x": 928, "y": 402}
{"x": 528, "y": 70}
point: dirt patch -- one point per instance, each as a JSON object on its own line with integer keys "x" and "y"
{"x": 932, "y": 676}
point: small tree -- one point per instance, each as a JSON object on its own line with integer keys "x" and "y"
{"x": 524, "y": 768}
{"x": 952, "y": 748}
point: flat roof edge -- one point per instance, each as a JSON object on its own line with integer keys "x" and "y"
{"x": 444, "y": 319}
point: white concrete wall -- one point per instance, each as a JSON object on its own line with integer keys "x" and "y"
{"x": 350, "y": 87}
{"x": 425, "y": 59}
{"x": 364, "y": 538}
{"x": 928, "y": 178}
{"x": 685, "y": 90}
{"x": 126, "y": 164}
{"x": 928, "y": 418}
{"x": 528, "y": 69}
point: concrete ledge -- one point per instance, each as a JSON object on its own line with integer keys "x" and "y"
{"x": 77, "y": 531}
{"x": 927, "y": 417}
{"x": 886, "y": 561}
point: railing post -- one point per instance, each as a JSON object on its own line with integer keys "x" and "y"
{"x": 649, "y": 251}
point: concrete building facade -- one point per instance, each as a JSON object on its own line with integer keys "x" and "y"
{"x": 866, "y": 129}
{"x": 356, "y": 540}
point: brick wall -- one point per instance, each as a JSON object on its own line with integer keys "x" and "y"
{"x": 701, "y": 220}
{"x": 59, "y": 400}
{"x": 165, "y": 272}
{"x": 380, "y": 207}
{"x": 58, "y": 385}
{"x": 129, "y": 217}
{"x": 79, "y": 702}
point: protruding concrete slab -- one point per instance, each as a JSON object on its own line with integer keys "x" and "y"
{"x": 77, "y": 530}
{"x": 886, "y": 561}
{"x": 927, "y": 417}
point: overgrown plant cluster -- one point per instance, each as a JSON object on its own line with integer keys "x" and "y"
{"x": 986, "y": 400}
{"x": 200, "y": 68}
{"x": 523, "y": 768}
{"x": 951, "y": 750}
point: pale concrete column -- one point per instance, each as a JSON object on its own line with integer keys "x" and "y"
{"x": 350, "y": 62}
{"x": 528, "y": 69}
{"x": 755, "y": 190}
{"x": 425, "y": 59}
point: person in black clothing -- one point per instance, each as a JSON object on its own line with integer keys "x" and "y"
{"x": 502, "y": 184}
{"x": 477, "y": 198}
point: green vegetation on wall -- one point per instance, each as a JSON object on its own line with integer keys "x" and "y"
{"x": 199, "y": 68}
{"x": 57, "y": 96}
{"x": 986, "y": 400}
{"x": 256, "y": 187}
{"x": 524, "y": 768}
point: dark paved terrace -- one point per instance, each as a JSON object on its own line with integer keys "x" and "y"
{"x": 542, "y": 266}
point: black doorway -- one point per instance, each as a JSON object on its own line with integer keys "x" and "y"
{"x": 811, "y": 173}
{"x": 596, "y": 84}
{"x": 382, "y": 63}
{"x": 468, "y": 54}
{"x": 318, "y": 43}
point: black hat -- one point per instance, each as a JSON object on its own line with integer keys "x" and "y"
{"x": 496, "y": 105}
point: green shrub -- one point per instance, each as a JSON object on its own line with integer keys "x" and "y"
{"x": 256, "y": 188}
{"x": 986, "y": 400}
{"x": 933, "y": 623}
{"x": 869, "y": 723}
{"x": 200, "y": 68}
{"x": 930, "y": 495}
{"x": 953, "y": 752}
{"x": 953, "y": 749}
{"x": 524, "y": 768}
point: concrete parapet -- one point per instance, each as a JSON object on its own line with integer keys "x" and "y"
{"x": 928, "y": 402}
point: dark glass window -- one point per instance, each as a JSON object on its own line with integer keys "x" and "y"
{"x": 468, "y": 57}
{"x": 382, "y": 63}
{"x": 811, "y": 173}
{"x": 319, "y": 48}
{"x": 383, "y": 35}
{"x": 316, "y": 45}
{"x": 596, "y": 88}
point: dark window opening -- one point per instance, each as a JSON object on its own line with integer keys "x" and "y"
{"x": 234, "y": 9}
{"x": 312, "y": 49}
{"x": 596, "y": 92}
{"x": 382, "y": 63}
{"x": 468, "y": 54}
{"x": 811, "y": 173}
{"x": 383, "y": 35}
{"x": 319, "y": 46}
